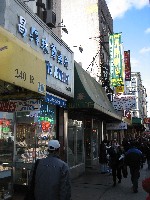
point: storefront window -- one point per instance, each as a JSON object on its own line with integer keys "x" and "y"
{"x": 94, "y": 142}
{"x": 71, "y": 145}
{"x": 6, "y": 152}
{"x": 33, "y": 131}
{"x": 75, "y": 142}
{"x": 87, "y": 138}
{"x": 79, "y": 144}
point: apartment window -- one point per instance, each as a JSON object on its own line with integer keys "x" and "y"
{"x": 49, "y": 4}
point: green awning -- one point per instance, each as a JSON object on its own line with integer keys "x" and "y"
{"x": 89, "y": 94}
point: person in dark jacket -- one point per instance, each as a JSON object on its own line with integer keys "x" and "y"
{"x": 115, "y": 161}
{"x": 133, "y": 159}
{"x": 103, "y": 157}
{"x": 147, "y": 147}
{"x": 51, "y": 177}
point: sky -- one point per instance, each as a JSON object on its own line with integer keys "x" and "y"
{"x": 132, "y": 18}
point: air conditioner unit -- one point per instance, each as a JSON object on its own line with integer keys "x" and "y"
{"x": 49, "y": 17}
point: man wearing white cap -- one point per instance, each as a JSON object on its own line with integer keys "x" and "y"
{"x": 50, "y": 177}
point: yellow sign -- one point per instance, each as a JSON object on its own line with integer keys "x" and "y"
{"x": 119, "y": 89}
{"x": 20, "y": 64}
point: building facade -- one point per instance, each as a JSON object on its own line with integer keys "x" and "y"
{"x": 139, "y": 111}
{"x": 36, "y": 80}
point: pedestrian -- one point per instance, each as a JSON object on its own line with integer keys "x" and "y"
{"x": 125, "y": 144}
{"x": 103, "y": 157}
{"x": 108, "y": 146}
{"x": 133, "y": 159}
{"x": 148, "y": 153}
{"x": 115, "y": 162}
{"x": 50, "y": 177}
{"x": 146, "y": 187}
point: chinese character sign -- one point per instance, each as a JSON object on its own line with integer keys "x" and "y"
{"x": 116, "y": 68}
{"x": 58, "y": 60}
{"x": 127, "y": 65}
{"x": 124, "y": 102}
{"x": 105, "y": 71}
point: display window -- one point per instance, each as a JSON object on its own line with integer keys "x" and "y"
{"x": 33, "y": 131}
{"x": 75, "y": 143}
{"x": 94, "y": 143}
{"x": 6, "y": 153}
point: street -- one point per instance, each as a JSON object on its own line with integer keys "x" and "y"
{"x": 96, "y": 186}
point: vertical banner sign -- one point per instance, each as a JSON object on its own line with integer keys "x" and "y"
{"x": 116, "y": 68}
{"x": 127, "y": 65}
{"x": 105, "y": 71}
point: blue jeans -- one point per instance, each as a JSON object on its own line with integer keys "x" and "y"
{"x": 103, "y": 168}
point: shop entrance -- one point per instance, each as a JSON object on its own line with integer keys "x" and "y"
{"x": 91, "y": 142}
{"x": 6, "y": 153}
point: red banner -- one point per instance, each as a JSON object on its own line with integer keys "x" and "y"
{"x": 127, "y": 65}
{"x": 146, "y": 120}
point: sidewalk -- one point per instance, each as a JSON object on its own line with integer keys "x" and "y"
{"x": 95, "y": 186}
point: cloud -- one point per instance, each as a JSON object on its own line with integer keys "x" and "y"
{"x": 145, "y": 50}
{"x": 147, "y": 30}
{"x": 118, "y": 8}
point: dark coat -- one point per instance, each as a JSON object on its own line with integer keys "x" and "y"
{"x": 103, "y": 154}
{"x": 147, "y": 151}
{"x": 115, "y": 154}
{"x": 133, "y": 157}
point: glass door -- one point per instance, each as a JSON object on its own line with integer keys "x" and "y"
{"x": 6, "y": 153}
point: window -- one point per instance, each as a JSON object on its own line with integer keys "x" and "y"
{"x": 75, "y": 142}
{"x": 49, "y": 4}
{"x": 6, "y": 150}
{"x": 33, "y": 131}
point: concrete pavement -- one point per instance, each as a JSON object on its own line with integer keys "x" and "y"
{"x": 95, "y": 186}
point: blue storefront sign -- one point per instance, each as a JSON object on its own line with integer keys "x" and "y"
{"x": 50, "y": 98}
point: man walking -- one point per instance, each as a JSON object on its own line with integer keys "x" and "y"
{"x": 115, "y": 161}
{"x": 133, "y": 159}
{"x": 50, "y": 178}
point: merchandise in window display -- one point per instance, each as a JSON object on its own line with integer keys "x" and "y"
{"x": 31, "y": 145}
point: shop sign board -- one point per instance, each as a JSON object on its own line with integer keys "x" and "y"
{"x": 20, "y": 106}
{"x": 119, "y": 89}
{"x": 116, "y": 126}
{"x": 127, "y": 65}
{"x": 32, "y": 105}
{"x": 124, "y": 102}
{"x": 146, "y": 120}
{"x": 116, "y": 63}
{"x": 58, "y": 61}
{"x": 136, "y": 120}
{"x": 20, "y": 65}
{"x": 55, "y": 100}
{"x": 31, "y": 30}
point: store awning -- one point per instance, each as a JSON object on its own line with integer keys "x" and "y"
{"x": 89, "y": 95}
{"x": 21, "y": 65}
